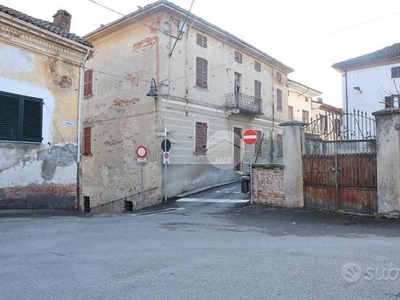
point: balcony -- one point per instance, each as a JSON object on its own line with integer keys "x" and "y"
{"x": 239, "y": 103}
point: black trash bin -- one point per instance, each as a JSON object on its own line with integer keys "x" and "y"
{"x": 245, "y": 184}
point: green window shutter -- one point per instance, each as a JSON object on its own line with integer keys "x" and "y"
{"x": 32, "y": 120}
{"x": 20, "y": 118}
{"x": 9, "y": 114}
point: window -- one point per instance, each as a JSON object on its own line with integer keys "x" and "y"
{"x": 389, "y": 102}
{"x": 201, "y": 40}
{"x": 395, "y": 72}
{"x": 257, "y": 66}
{"x": 201, "y": 72}
{"x": 238, "y": 57}
{"x": 305, "y": 116}
{"x": 88, "y": 84}
{"x": 323, "y": 123}
{"x": 200, "y": 147}
{"x": 306, "y": 98}
{"x": 237, "y": 83}
{"x": 279, "y": 78}
{"x": 20, "y": 118}
{"x": 279, "y": 145}
{"x": 291, "y": 113}
{"x": 257, "y": 89}
{"x": 258, "y": 145}
{"x": 87, "y": 141}
{"x": 279, "y": 99}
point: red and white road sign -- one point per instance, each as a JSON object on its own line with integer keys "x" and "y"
{"x": 250, "y": 136}
{"x": 141, "y": 152}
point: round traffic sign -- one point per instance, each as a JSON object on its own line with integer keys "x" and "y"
{"x": 250, "y": 136}
{"x": 141, "y": 151}
{"x": 166, "y": 145}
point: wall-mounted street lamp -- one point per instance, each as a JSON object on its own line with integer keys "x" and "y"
{"x": 153, "y": 90}
{"x": 357, "y": 88}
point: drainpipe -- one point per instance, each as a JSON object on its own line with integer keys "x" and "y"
{"x": 79, "y": 143}
{"x": 347, "y": 103}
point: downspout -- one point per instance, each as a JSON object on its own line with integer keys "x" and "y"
{"x": 79, "y": 142}
{"x": 271, "y": 153}
{"x": 347, "y": 103}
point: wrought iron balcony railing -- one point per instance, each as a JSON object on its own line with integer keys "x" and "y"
{"x": 244, "y": 104}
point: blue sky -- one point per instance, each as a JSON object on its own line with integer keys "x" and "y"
{"x": 307, "y": 35}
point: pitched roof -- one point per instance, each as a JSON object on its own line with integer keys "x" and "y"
{"x": 385, "y": 53}
{"x": 49, "y": 26}
{"x": 165, "y": 5}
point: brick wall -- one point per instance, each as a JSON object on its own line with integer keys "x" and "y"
{"x": 268, "y": 184}
{"x": 45, "y": 196}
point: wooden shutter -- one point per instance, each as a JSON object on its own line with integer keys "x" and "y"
{"x": 201, "y": 138}
{"x": 201, "y": 72}
{"x": 32, "y": 120}
{"x": 257, "y": 66}
{"x": 87, "y": 141}
{"x": 238, "y": 56}
{"x": 201, "y": 40}
{"x": 279, "y": 99}
{"x": 88, "y": 83}
{"x": 9, "y": 116}
{"x": 257, "y": 89}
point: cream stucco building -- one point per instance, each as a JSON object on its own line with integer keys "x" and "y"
{"x": 40, "y": 67}
{"x": 211, "y": 87}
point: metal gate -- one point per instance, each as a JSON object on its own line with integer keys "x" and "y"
{"x": 339, "y": 163}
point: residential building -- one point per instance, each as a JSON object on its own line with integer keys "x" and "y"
{"x": 371, "y": 81}
{"x": 207, "y": 87}
{"x": 301, "y": 106}
{"x": 40, "y": 65}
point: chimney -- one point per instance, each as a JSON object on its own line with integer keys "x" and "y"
{"x": 62, "y": 18}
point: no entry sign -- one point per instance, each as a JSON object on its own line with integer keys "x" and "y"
{"x": 250, "y": 136}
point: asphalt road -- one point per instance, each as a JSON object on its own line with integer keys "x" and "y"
{"x": 205, "y": 246}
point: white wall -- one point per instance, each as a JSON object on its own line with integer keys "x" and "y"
{"x": 375, "y": 83}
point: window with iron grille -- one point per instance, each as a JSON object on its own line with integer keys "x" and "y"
{"x": 257, "y": 89}
{"x": 201, "y": 138}
{"x": 88, "y": 84}
{"x": 20, "y": 118}
{"x": 201, "y": 72}
{"x": 201, "y": 40}
{"x": 87, "y": 141}
{"x": 291, "y": 116}
{"x": 257, "y": 66}
{"x": 279, "y": 145}
{"x": 238, "y": 57}
{"x": 279, "y": 99}
{"x": 395, "y": 72}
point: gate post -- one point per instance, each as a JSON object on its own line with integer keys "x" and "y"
{"x": 293, "y": 163}
{"x": 388, "y": 159}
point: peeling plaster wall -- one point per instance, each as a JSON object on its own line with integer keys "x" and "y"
{"x": 122, "y": 118}
{"x": 40, "y": 175}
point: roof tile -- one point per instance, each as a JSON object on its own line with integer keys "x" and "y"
{"x": 44, "y": 25}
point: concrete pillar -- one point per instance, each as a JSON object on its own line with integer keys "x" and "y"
{"x": 293, "y": 163}
{"x": 388, "y": 159}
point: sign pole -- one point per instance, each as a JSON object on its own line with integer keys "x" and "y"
{"x": 250, "y": 138}
{"x": 141, "y": 182}
{"x": 165, "y": 167}
{"x": 251, "y": 175}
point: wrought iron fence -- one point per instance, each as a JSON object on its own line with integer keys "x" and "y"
{"x": 356, "y": 125}
{"x": 347, "y": 133}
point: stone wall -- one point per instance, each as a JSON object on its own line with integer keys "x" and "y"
{"x": 268, "y": 185}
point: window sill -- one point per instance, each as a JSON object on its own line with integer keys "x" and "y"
{"x": 20, "y": 142}
{"x": 201, "y": 88}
